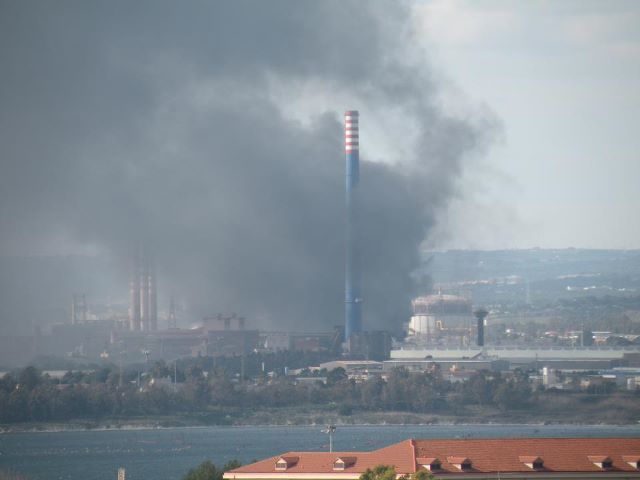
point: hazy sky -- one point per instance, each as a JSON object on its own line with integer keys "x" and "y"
{"x": 557, "y": 80}
{"x": 563, "y": 77}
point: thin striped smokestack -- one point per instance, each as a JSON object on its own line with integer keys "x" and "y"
{"x": 352, "y": 296}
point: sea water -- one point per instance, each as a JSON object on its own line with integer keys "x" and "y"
{"x": 167, "y": 454}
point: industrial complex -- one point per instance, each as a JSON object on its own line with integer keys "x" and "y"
{"x": 446, "y": 329}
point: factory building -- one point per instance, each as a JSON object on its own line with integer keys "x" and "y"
{"x": 535, "y": 358}
{"x": 228, "y": 343}
{"x": 225, "y": 334}
{"x": 299, "y": 341}
{"x": 416, "y": 365}
{"x": 371, "y": 345}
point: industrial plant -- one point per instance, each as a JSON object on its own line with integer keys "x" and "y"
{"x": 109, "y": 334}
{"x": 263, "y": 240}
{"x": 446, "y": 329}
{"x": 143, "y": 310}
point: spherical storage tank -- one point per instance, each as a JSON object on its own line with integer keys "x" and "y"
{"x": 441, "y": 305}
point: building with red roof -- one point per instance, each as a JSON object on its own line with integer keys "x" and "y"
{"x": 501, "y": 458}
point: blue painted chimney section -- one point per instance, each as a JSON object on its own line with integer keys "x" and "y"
{"x": 352, "y": 294}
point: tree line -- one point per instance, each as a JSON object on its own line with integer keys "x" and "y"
{"x": 29, "y": 395}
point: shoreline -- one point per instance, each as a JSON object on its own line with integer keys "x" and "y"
{"x": 161, "y": 424}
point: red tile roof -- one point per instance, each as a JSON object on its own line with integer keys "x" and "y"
{"x": 399, "y": 454}
{"x": 558, "y": 454}
{"x": 286, "y": 462}
{"x": 289, "y": 458}
{"x": 425, "y": 460}
{"x": 568, "y": 455}
{"x": 529, "y": 458}
{"x": 598, "y": 458}
{"x": 457, "y": 460}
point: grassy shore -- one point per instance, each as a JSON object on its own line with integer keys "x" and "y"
{"x": 558, "y": 411}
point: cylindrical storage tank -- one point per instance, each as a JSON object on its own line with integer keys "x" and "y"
{"x": 422, "y": 325}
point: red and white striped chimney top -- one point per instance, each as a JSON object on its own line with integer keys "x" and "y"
{"x": 351, "y": 131}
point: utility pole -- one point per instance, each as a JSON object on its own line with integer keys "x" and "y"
{"x": 330, "y": 430}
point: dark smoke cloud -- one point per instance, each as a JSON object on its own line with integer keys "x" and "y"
{"x": 165, "y": 122}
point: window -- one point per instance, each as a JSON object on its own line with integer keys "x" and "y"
{"x": 601, "y": 461}
{"x": 430, "y": 463}
{"x": 632, "y": 461}
{"x": 343, "y": 462}
{"x": 286, "y": 462}
{"x": 534, "y": 462}
{"x": 461, "y": 463}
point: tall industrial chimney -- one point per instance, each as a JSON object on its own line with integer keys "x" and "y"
{"x": 172, "y": 313}
{"x": 352, "y": 298}
{"x": 83, "y": 307}
{"x": 480, "y": 314}
{"x": 144, "y": 302}
{"x": 74, "y": 309}
{"x": 134, "y": 313}
{"x": 144, "y": 294}
{"x": 153, "y": 299}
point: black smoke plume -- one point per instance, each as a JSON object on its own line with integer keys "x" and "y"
{"x": 170, "y": 123}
